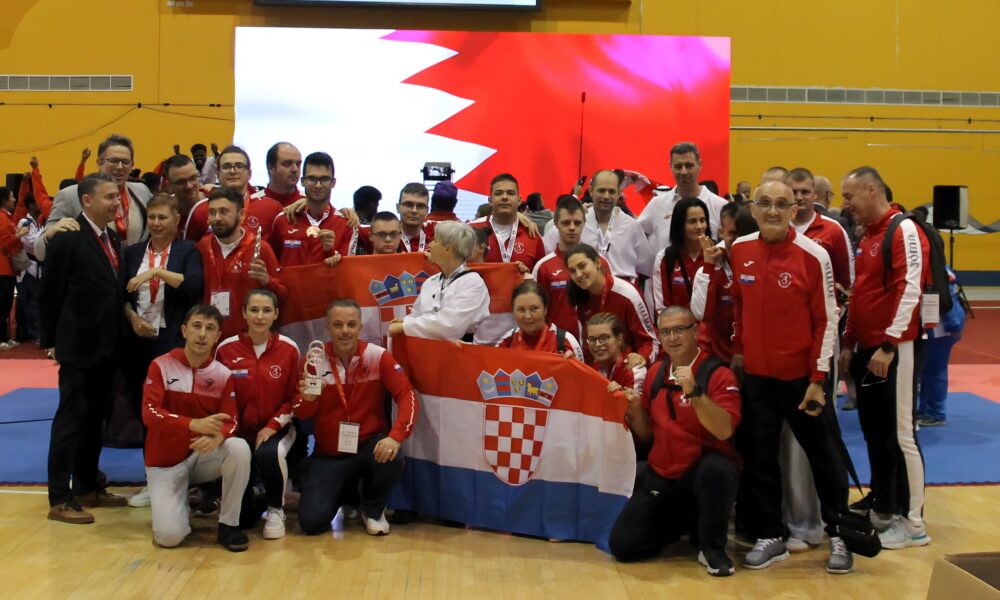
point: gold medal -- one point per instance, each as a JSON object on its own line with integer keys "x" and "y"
{"x": 313, "y": 232}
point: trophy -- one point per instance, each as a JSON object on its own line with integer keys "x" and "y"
{"x": 314, "y": 381}
{"x": 256, "y": 246}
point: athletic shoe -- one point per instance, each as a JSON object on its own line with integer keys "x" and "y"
{"x": 102, "y": 499}
{"x": 140, "y": 498}
{"x": 377, "y": 526}
{"x": 232, "y": 538}
{"x": 930, "y": 421}
{"x": 766, "y": 552}
{"x": 795, "y": 545}
{"x": 901, "y": 534}
{"x": 5, "y": 346}
{"x": 841, "y": 560}
{"x": 13, "y": 343}
{"x": 849, "y": 404}
{"x": 274, "y": 526}
{"x": 716, "y": 562}
{"x": 207, "y": 507}
{"x": 70, "y": 512}
{"x": 879, "y": 522}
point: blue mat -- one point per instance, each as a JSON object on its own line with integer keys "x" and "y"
{"x": 963, "y": 451}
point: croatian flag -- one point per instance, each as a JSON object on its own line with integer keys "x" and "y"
{"x": 517, "y": 441}
{"x": 384, "y": 286}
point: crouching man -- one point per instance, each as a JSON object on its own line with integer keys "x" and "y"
{"x": 689, "y": 407}
{"x": 187, "y": 403}
{"x": 353, "y": 438}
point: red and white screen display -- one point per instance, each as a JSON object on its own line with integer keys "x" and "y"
{"x": 384, "y": 102}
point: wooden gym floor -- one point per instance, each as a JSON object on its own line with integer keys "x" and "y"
{"x": 115, "y": 558}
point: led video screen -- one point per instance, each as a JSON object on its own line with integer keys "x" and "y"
{"x": 541, "y": 106}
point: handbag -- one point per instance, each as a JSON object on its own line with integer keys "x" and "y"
{"x": 20, "y": 261}
{"x": 856, "y": 529}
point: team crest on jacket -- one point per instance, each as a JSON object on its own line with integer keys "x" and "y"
{"x": 518, "y": 247}
{"x": 515, "y": 416}
{"x": 785, "y": 279}
{"x": 252, "y": 222}
{"x": 275, "y": 371}
{"x": 874, "y": 250}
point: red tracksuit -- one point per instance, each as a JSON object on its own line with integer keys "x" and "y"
{"x": 679, "y": 441}
{"x": 372, "y": 371}
{"x": 715, "y": 311}
{"x": 293, "y": 246}
{"x": 529, "y": 250}
{"x": 889, "y": 313}
{"x": 551, "y": 273}
{"x": 174, "y": 394}
{"x": 785, "y": 314}
{"x": 231, "y": 274}
{"x": 284, "y": 199}
{"x": 829, "y": 234}
{"x": 621, "y": 299}
{"x": 672, "y": 288}
{"x": 633, "y": 378}
{"x": 258, "y": 211}
{"x": 266, "y": 385}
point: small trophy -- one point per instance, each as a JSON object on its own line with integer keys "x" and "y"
{"x": 314, "y": 381}
{"x": 256, "y": 246}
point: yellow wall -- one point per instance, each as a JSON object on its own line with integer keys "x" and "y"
{"x": 184, "y": 55}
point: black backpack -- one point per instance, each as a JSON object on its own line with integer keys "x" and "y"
{"x": 701, "y": 379}
{"x": 939, "y": 273}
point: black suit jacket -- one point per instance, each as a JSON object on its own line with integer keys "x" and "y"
{"x": 81, "y": 298}
{"x": 185, "y": 259}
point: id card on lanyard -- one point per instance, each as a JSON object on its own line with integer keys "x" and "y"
{"x": 604, "y": 237}
{"x": 422, "y": 243}
{"x": 347, "y": 439}
{"x": 153, "y": 312}
{"x": 506, "y": 250}
{"x": 220, "y": 298}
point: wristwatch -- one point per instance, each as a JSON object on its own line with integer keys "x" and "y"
{"x": 695, "y": 392}
{"x": 888, "y": 347}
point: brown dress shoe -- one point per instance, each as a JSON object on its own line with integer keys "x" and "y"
{"x": 70, "y": 512}
{"x": 102, "y": 499}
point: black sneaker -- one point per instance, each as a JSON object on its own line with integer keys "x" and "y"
{"x": 716, "y": 562}
{"x": 233, "y": 538}
{"x": 929, "y": 421}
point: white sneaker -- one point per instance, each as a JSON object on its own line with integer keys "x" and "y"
{"x": 377, "y": 526}
{"x": 880, "y": 522}
{"x": 140, "y": 499}
{"x": 902, "y": 534}
{"x": 796, "y": 545}
{"x": 274, "y": 527}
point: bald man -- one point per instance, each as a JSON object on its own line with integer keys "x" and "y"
{"x": 785, "y": 326}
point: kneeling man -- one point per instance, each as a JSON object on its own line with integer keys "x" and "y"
{"x": 187, "y": 404}
{"x": 689, "y": 407}
{"x": 353, "y": 438}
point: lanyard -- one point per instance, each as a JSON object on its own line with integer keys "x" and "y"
{"x": 604, "y": 239}
{"x": 248, "y": 238}
{"x": 154, "y": 283}
{"x": 422, "y": 243}
{"x": 611, "y": 372}
{"x": 506, "y": 250}
{"x": 121, "y": 217}
{"x": 317, "y": 222}
{"x": 445, "y": 282}
{"x": 335, "y": 367}
{"x": 108, "y": 251}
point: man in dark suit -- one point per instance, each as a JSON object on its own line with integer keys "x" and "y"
{"x": 81, "y": 307}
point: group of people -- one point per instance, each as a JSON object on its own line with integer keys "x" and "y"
{"x": 725, "y": 324}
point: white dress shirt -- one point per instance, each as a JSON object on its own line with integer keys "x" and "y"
{"x": 655, "y": 218}
{"x": 625, "y": 246}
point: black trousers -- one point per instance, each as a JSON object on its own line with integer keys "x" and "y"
{"x": 768, "y": 403}
{"x": 7, "y": 283}
{"x": 887, "y": 411}
{"x": 26, "y": 310}
{"x": 326, "y": 480}
{"x": 660, "y": 509}
{"x": 75, "y": 445}
{"x": 265, "y": 467}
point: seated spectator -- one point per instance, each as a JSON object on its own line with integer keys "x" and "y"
{"x": 352, "y": 431}
{"x": 530, "y": 305}
{"x": 606, "y": 342}
{"x": 690, "y": 480}
{"x": 264, "y": 367}
{"x": 190, "y": 408}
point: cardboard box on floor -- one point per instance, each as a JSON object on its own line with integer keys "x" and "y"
{"x": 973, "y": 576}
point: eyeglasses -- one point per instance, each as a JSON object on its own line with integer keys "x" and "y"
{"x": 674, "y": 331}
{"x": 413, "y": 206}
{"x": 766, "y": 205}
{"x": 118, "y": 162}
{"x": 602, "y": 339}
{"x": 192, "y": 179}
{"x": 234, "y": 167}
{"x": 311, "y": 180}
{"x": 385, "y": 235}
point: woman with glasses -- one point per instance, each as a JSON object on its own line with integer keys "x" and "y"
{"x": 606, "y": 342}
{"x": 675, "y": 266}
{"x": 530, "y": 306}
{"x": 592, "y": 289}
{"x": 453, "y": 302}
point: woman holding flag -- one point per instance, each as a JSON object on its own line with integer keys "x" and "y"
{"x": 606, "y": 342}
{"x": 530, "y": 305}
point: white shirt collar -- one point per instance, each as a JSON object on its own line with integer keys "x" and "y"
{"x": 97, "y": 230}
